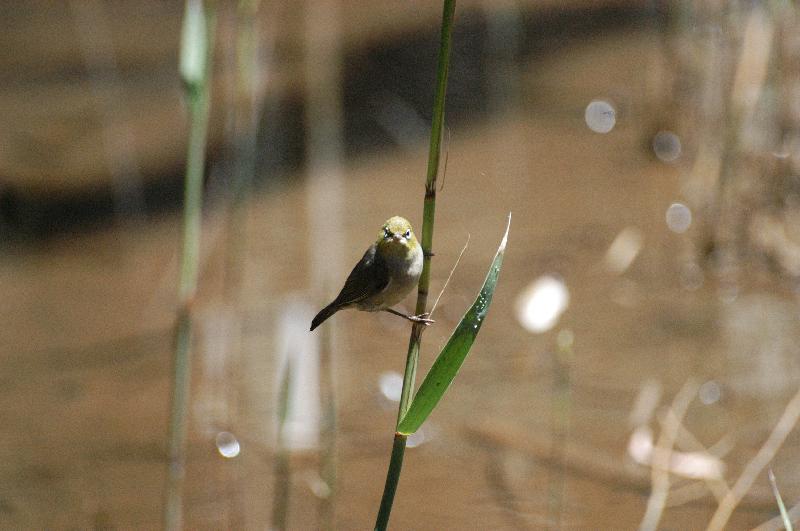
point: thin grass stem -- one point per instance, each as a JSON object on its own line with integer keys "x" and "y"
{"x": 323, "y": 50}
{"x": 787, "y": 523}
{"x": 281, "y": 492}
{"x": 452, "y": 270}
{"x": 197, "y": 46}
{"x": 560, "y": 419}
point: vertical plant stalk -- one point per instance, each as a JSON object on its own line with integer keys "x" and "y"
{"x": 561, "y": 410}
{"x": 328, "y": 426}
{"x": 196, "y": 48}
{"x": 662, "y": 455}
{"x": 248, "y": 99}
{"x": 323, "y": 50}
{"x": 282, "y": 471}
{"x": 248, "y": 102}
{"x": 429, "y": 210}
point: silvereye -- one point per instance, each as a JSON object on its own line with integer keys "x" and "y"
{"x": 386, "y": 273}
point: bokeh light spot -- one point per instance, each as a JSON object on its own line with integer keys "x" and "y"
{"x": 319, "y": 487}
{"x": 624, "y": 249}
{"x": 710, "y": 392}
{"x": 227, "y": 444}
{"x": 540, "y": 305}
{"x": 391, "y": 385}
{"x": 417, "y": 438}
{"x": 600, "y": 116}
{"x": 679, "y": 218}
{"x": 667, "y": 146}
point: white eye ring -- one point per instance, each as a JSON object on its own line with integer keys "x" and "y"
{"x": 408, "y": 233}
{"x": 387, "y": 233}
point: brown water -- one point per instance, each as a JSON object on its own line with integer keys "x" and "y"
{"x": 534, "y": 432}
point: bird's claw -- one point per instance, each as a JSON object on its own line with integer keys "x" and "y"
{"x": 422, "y": 318}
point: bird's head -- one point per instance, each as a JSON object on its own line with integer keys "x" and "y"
{"x": 396, "y": 237}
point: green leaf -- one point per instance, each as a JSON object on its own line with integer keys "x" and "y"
{"x": 451, "y": 357}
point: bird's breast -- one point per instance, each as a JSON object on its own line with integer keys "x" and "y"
{"x": 404, "y": 274}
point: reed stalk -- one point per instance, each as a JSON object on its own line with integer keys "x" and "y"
{"x": 429, "y": 209}
{"x": 282, "y": 471}
{"x": 196, "y": 49}
{"x": 324, "y": 113}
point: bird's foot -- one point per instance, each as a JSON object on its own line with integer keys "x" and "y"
{"x": 421, "y": 318}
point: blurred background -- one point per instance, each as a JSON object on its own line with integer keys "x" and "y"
{"x": 642, "y": 347}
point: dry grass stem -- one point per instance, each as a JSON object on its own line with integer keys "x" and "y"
{"x": 663, "y": 453}
{"x": 687, "y": 441}
{"x": 587, "y": 461}
{"x": 446, "y": 282}
{"x": 756, "y": 465}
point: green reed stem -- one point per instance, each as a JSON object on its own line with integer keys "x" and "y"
{"x": 392, "y": 479}
{"x": 429, "y": 209}
{"x": 196, "y": 47}
{"x": 173, "y": 504}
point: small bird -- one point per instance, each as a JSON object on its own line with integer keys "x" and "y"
{"x": 386, "y": 273}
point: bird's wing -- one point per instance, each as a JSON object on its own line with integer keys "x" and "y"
{"x": 369, "y": 277}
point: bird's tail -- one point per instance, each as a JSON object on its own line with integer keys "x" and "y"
{"x": 323, "y": 314}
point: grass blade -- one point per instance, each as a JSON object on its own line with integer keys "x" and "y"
{"x": 787, "y": 523}
{"x": 451, "y": 357}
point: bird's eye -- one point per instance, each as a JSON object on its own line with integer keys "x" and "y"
{"x": 407, "y": 234}
{"x": 387, "y": 233}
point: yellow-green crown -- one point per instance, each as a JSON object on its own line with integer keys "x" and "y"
{"x": 395, "y": 225}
